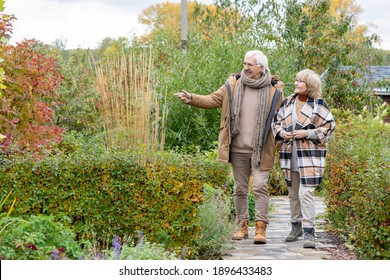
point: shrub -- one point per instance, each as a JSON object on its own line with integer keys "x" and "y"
{"x": 116, "y": 193}
{"x": 211, "y": 242}
{"x": 357, "y": 183}
{"x": 145, "y": 250}
{"x": 76, "y": 110}
{"x": 36, "y": 238}
{"x": 127, "y": 249}
{"x": 41, "y": 238}
{"x": 215, "y": 225}
{"x": 276, "y": 183}
{"x": 28, "y": 97}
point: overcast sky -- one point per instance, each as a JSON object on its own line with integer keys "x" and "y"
{"x": 85, "y": 23}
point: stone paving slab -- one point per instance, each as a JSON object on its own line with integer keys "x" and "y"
{"x": 277, "y": 230}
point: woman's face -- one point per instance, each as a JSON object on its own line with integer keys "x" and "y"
{"x": 300, "y": 87}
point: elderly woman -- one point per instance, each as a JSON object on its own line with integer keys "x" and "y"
{"x": 302, "y": 128}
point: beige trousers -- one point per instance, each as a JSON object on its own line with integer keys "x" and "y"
{"x": 302, "y": 204}
{"x": 242, "y": 171}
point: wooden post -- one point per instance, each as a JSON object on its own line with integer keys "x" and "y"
{"x": 184, "y": 24}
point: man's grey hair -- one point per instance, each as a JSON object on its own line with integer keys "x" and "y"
{"x": 261, "y": 59}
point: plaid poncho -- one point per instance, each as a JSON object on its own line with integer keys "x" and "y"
{"x": 315, "y": 115}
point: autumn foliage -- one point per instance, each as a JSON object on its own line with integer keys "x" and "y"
{"x": 30, "y": 80}
{"x": 116, "y": 193}
{"x": 116, "y": 106}
{"x": 207, "y": 19}
{"x": 357, "y": 184}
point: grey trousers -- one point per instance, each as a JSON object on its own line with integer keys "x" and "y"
{"x": 302, "y": 204}
{"x": 242, "y": 170}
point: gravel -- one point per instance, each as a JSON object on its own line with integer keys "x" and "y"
{"x": 337, "y": 249}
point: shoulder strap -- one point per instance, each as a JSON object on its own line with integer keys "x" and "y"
{"x": 271, "y": 115}
{"x": 230, "y": 101}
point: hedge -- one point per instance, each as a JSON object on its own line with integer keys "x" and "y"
{"x": 108, "y": 194}
{"x": 357, "y": 184}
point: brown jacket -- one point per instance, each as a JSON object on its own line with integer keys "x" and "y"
{"x": 219, "y": 99}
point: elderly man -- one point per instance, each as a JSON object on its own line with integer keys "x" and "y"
{"x": 248, "y": 103}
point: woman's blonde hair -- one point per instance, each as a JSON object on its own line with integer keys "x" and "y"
{"x": 313, "y": 82}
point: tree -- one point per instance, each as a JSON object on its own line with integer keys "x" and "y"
{"x": 382, "y": 57}
{"x": 348, "y": 8}
{"x": 294, "y": 35}
{"x": 310, "y": 35}
{"x": 76, "y": 110}
{"x": 166, "y": 18}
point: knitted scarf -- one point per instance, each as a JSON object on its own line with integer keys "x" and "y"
{"x": 263, "y": 85}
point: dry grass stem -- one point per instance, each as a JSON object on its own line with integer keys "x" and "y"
{"x": 129, "y": 104}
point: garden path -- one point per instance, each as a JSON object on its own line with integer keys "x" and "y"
{"x": 277, "y": 230}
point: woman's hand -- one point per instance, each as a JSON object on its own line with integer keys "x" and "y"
{"x": 300, "y": 134}
{"x": 296, "y": 134}
{"x": 287, "y": 135}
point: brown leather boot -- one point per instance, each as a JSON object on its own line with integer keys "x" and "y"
{"x": 242, "y": 230}
{"x": 260, "y": 233}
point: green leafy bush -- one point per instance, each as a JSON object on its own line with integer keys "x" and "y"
{"x": 215, "y": 225}
{"x": 116, "y": 193}
{"x": 36, "y": 238}
{"x": 357, "y": 183}
{"x": 127, "y": 249}
{"x": 41, "y": 238}
{"x": 276, "y": 182}
{"x": 145, "y": 250}
{"x": 77, "y": 95}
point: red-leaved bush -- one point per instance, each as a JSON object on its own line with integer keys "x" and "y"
{"x": 30, "y": 79}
